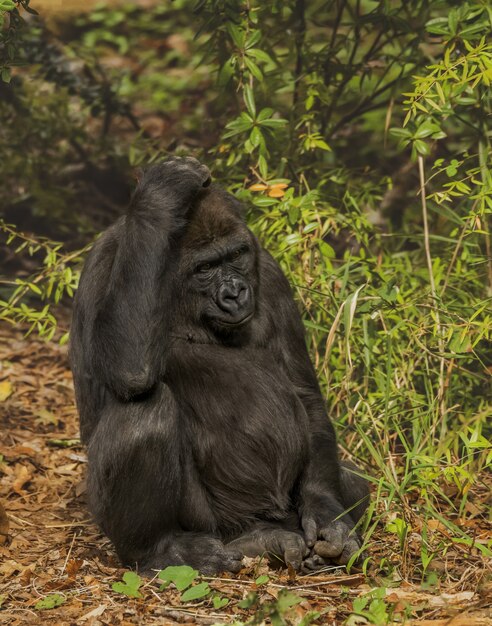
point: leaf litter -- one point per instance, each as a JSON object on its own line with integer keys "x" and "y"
{"x": 57, "y": 568}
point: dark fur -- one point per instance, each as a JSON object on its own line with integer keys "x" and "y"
{"x": 205, "y": 441}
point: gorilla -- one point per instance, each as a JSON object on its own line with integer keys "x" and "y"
{"x": 206, "y": 430}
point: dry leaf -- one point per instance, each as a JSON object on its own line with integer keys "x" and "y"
{"x": 73, "y": 566}
{"x": 23, "y": 475}
{"x": 6, "y": 389}
{"x": 275, "y": 192}
{"x": 4, "y": 525}
{"x": 434, "y": 524}
{"x": 258, "y": 187}
{"x": 95, "y": 612}
{"x": 7, "y": 568}
{"x": 45, "y": 417}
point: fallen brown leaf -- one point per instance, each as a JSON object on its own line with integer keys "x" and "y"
{"x": 6, "y": 389}
{"x": 4, "y": 525}
{"x": 23, "y": 476}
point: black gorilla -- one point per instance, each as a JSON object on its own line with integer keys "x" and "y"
{"x": 206, "y": 430}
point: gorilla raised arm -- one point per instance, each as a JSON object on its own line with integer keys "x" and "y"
{"x": 206, "y": 431}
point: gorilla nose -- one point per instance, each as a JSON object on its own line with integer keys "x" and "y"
{"x": 233, "y": 296}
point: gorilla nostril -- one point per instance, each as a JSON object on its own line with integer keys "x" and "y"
{"x": 243, "y": 296}
{"x": 233, "y": 296}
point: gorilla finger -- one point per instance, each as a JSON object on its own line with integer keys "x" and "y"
{"x": 336, "y": 533}
{"x": 233, "y": 553}
{"x": 313, "y": 563}
{"x": 202, "y": 170}
{"x": 310, "y": 529}
{"x": 247, "y": 547}
{"x": 350, "y": 548}
{"x": 227, "y": 562}
{"x": 328, "y": 550}
{"x": 190, "y": 166}
{"x": 234, "y": 566}
{"x": 294, "y": 551}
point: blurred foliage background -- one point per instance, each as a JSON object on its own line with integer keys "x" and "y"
{"x": 357, "y": 132}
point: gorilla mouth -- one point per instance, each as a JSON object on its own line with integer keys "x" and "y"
{"x": 235, "y": 323}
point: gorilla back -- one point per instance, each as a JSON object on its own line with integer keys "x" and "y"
{"x": 206, "y": 431}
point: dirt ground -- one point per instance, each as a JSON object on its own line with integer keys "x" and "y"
{"x": 48, "y": 544}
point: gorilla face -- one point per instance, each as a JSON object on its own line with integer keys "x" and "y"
{"x": 222, "y": 276}
{"x": 218, "y": 265}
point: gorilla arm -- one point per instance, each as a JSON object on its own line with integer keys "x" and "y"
{"x": 127, "y": 339}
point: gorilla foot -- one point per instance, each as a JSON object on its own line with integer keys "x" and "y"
{"x": 282, "y": 546}
{"x": 206, "y": 554}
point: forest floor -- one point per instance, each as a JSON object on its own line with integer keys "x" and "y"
{"x": 51, "y": 553}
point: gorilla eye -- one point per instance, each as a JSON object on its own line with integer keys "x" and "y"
{"x": 237, "y": 253}
{"x": 204, "y": 267}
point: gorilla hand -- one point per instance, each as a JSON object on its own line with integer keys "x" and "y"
{"x": 334, "y": 540}
{"x": 170, "y": 186}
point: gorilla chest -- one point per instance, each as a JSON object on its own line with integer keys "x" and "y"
{"x": 247, "y": 434}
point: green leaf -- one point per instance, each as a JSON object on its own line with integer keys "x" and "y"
{"x": 6, "y": 76}
{"x": 130, "y": 585}
{"x": 260, "y": 55}
{"x": 287, "y": 600}
{"x": 263, "y": 165}
{"x": 262, "y": 580}
{"x": 273, "y": 123}
{"x": 426, "y": 129}
{"x": 50, "y": 602}
{"x": 326, "y": 250}
{"x": 264, "y": 114}
{"x": 219, "y": 602}
{"x": 249, "y": 100}
{"x": 194, "y": 593}
{"x": 181, "y": 575}
{"x": 225, "y": 73}
{"x": 256, "y": 136}
{"x": 253, "y": 39}
{"x": 421, "y": 147}
{"x": 253, "y": 68}
{"x": 249, "y": 601}
{"x": 64, "y": 443}
{"x": 400, "y": 132}
{"x": 236, "y": 33}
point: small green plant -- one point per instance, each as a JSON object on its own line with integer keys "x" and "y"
{"x": 182, "y": 577}
{"x": 370, "y": 608}
{"x": 399, "y": 527}
{"x": 277, "y": 611}
{"x": 130, "y": 585}
{"x": 30, "y": 300}
{"x": 50, "y": 602}
{"x": 219, "y": 602}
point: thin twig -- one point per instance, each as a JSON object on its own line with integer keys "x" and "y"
{"x": 69, "y": 552}
{"x": 457, "y": 248}
{"x": 425, "y": 217}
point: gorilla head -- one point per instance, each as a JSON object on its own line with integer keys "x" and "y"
{"x": 218, "y": 275}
